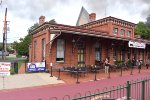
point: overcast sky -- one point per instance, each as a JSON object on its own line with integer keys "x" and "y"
{"x": 24, "y": 13}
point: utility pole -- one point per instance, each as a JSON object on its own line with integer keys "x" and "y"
{"x": 4, "y": 37}
{"x": 1, "y": 2}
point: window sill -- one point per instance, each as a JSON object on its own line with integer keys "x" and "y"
{"x": 60, "y": 61}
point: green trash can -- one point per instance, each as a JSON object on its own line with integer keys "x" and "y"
{"x": 16, "y": 67}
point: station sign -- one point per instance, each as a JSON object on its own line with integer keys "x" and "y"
{"x": 133, "y": 44}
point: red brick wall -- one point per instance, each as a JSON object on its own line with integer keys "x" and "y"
{"x": 100, "y": 27}
{"x": 38, "y": 38}
{"x": 70, "y": 56}
{"x": 108, "y": 27}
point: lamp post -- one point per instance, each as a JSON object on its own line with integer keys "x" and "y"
{"x": 131, "y": 70}
{"x": 51, "y": 70}
{"x": 95, "y": 79}
{"x": 77, "y": 82}
{"x": 58, "y": 74}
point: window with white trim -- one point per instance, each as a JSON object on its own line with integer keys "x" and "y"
{"x": 115, "y": 31}
{"x": 97, "y": 52}
{"x": 128, "y": 33}
{"x": 122, "y": 31}
{"x": 60, "y": 50}
{"x": 43, "y": 49}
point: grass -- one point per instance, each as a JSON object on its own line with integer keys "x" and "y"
{"x": 18, "y": 56}
{"x": 8, "y": 58}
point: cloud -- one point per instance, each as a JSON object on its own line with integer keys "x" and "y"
{"x": 24, "y": 13}
{"x": 147, "y": 10}
{"x": 32, "y": 9}
{"x": 132, "y": 7}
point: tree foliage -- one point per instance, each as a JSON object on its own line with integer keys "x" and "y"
{"x": 52, "y": 21}
{"x": 7, "y": 47}
{"x": 143, "y": 29}
{"x": 33, "y": 27}
{"x": 22, "y": 47}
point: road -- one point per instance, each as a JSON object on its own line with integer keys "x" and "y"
{"x": 59, "y": 91}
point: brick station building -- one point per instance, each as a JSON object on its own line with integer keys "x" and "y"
{"x": 87, "y": 44}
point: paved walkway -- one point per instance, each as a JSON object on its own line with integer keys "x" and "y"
{"x": 27, "y": 80}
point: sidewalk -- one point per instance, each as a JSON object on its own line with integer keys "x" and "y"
{"x": 40, "y": 79}
{"x": 27, "y": 80}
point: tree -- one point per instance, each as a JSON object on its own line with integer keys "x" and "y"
{"x": 14, "y": 45}
{"x": 33, "y": 27}
{"x": 1, "y": 46}
{"x": 143, "y": 30}
{"x": 22, "y": 47}
{"x": 37, "y": 25}
{"x": 52, "y": 21}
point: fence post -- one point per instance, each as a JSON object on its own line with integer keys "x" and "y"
{"x": 95, "y": 79}
{"x": 77, "y": 77}
{"x": 45, "y": 65}
{"x": 139, "y": 69}
{"x": 109, "y": 72}
{"x": 121, "y": 71}
{"x": 58, "y": 74}
{"x": 131, "y": 70}
{"x": 128, "y": 90}
{"x": 51, "y": 72}
{"x": 143, "y": 90}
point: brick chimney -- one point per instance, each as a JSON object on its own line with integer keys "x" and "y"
{"x": 41, "y": 20}
{"x": 92, "y": 17}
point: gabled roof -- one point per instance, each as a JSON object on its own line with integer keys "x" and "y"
{"x": 82, "y": 31}
{"x": 89, "y": 32}
{"x": 83, "y": 17}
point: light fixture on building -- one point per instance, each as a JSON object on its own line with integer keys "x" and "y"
{"x": 73, "y": 40}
